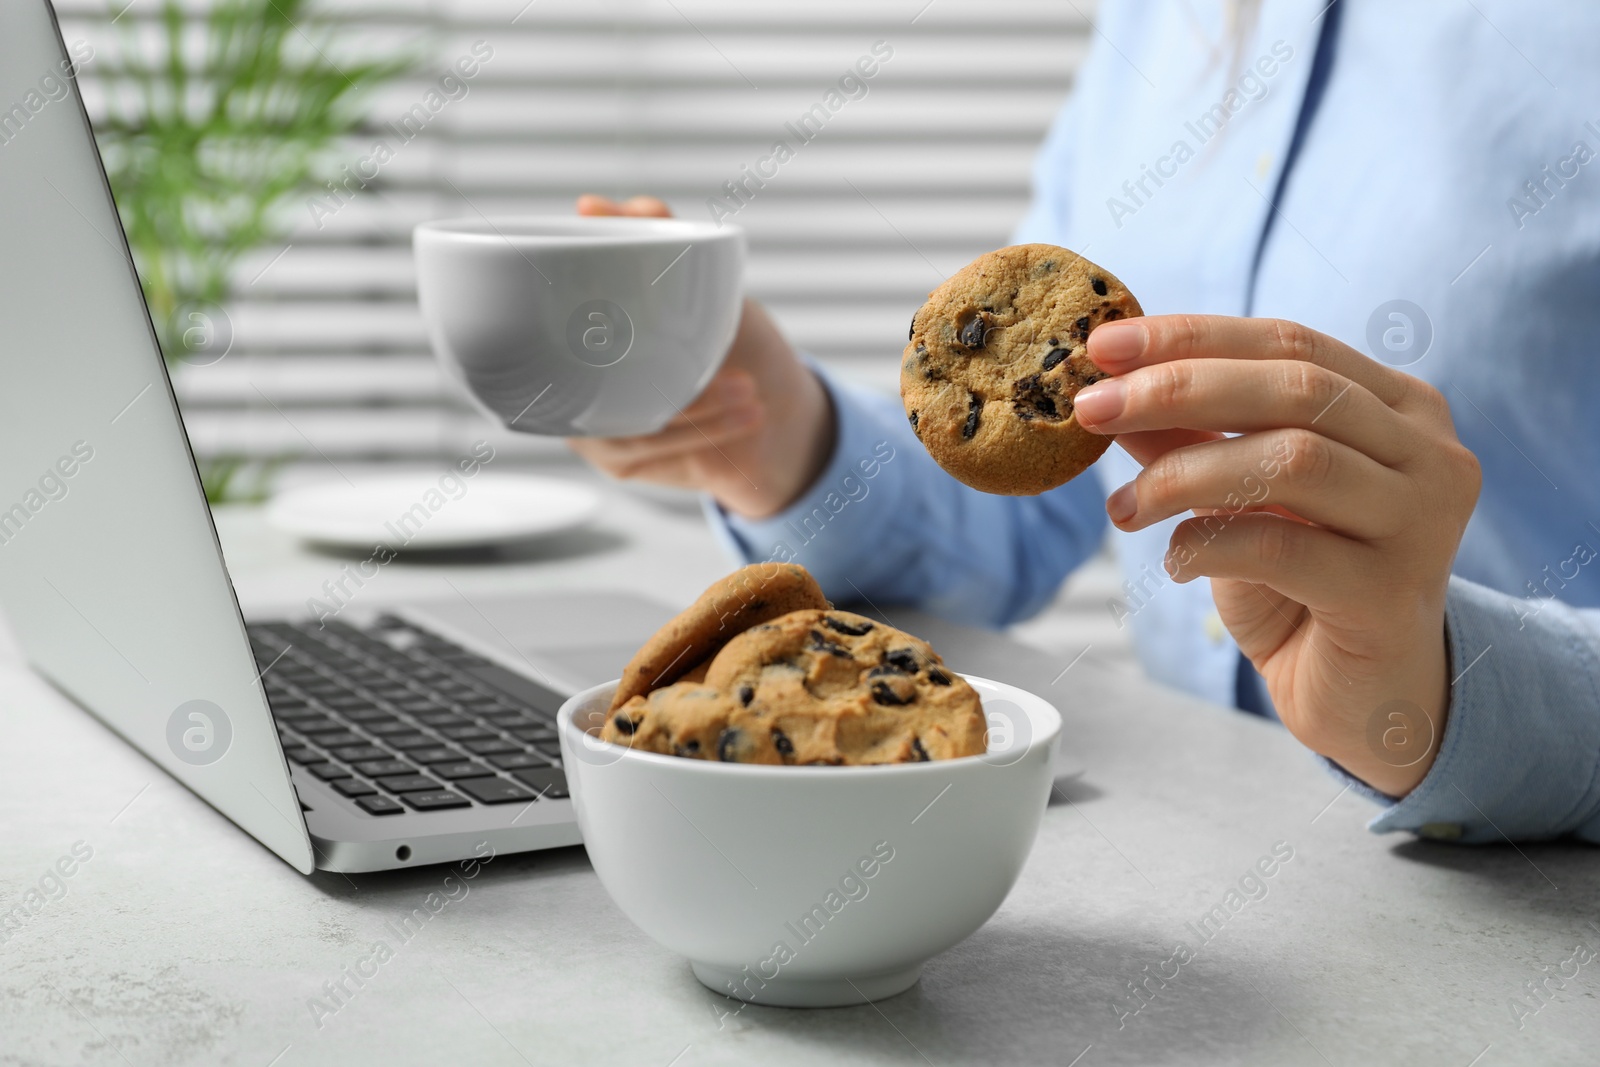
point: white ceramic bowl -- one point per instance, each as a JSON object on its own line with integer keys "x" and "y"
{"x": 811, "y": 886}
{"x": 580, "y": 326}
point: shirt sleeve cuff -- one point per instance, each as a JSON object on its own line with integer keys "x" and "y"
{"x": 829, "y": 530}
{"x": 1520, "y": 757}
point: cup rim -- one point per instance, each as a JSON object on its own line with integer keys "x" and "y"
{"x": 568, "y": 229}
{"x": 621, "y": 753}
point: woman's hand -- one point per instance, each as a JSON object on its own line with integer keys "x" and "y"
{"x": 755, "y": 439}
{"x": 1328, "y": 527}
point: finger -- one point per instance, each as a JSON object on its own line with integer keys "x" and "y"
{"x": 646, "y": 207}
{"x": 626, "y": 456}
{"x": 638, "y": 206}
{"x": 731, "y": 386}
{"x": 729, "y": 393}
{"x": 1314, "y": 478}
{"x": 1315, "y": 567}
{"x": 1120, "y": 346}
{"x": 1146, "y": 446}
{"x": 594, "y": 204}
{"x": 1233, "y": 396}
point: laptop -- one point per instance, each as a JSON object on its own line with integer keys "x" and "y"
{"x": 382, "y": 739}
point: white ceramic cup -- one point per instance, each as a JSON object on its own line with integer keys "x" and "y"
{"x": 577, "y": 327}
{"x": 811, "y": 886}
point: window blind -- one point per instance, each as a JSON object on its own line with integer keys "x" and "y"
{"x": 890, "y": 182}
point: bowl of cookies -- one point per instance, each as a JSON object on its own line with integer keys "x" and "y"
{"x": 805, "y": 802}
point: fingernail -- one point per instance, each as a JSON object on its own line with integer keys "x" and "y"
{"x": 1117, "y": 343}
{"x": 1122, "y": 504}
{"x": 1101, "y": 401}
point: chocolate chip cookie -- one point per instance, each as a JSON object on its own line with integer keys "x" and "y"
{"x": 812, "y": 687}
{"x": 996, "y": 356}
{"x": 730, "y": 606}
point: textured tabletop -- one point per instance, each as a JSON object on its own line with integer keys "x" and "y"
{"x": 1143, "y": 929}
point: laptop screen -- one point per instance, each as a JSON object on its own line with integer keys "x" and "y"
{"x": 111, "y": 576}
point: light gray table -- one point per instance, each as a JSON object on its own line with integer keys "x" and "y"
{"x": 182, "y": 941}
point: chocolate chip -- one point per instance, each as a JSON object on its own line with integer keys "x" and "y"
{"x": 1114, "y": 313}
{"x": 781, "y": 742}
{"x": 623, "y": 723}
{"x": 1033, "y": 398}
{"x": 1099, "y": 285}
{"x": 1049, "y": 264}
{"x": 913, "y": 418}
{"x": 918, "y": 751}
{"x": 854, "y": 629}
{"x": 691, "y": 746}
{"x": 1083, "y": 324}
{"x": 883, "y": 694}
{"x": 725, "y": 742}
{"x": 970, "y": 427}
{"x": 822, "y": 644}
{"x": 903, "y": 660}
{"x": 746, "y": 695}
{"x": 1054, "y": 357}
{"x": 938, "y": 677}
{"x": 1053, "y": 342}
{"x": 971, "y": 334}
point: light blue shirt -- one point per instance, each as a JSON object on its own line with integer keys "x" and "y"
{"x": 1446, "y": 156}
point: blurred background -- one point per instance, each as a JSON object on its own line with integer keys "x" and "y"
{"x": 287, "y": 305}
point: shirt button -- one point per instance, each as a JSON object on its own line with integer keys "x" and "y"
{"x": 1214, "y": 628}
{"x": 1440, "y": 831}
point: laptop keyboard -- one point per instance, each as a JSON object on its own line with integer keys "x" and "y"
{"x": 396, "y": 718}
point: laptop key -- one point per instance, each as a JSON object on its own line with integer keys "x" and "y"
{"x": 466, "y": 733}
{"x": 435, "y": 801}
{"x": 410, "y": 741}
{"x": 377, "y": 768}
{"x": 492, "y": 746}
{"x": 507, "y": 718}
{"x": 513, "y": 761}
{"x": 534, "y": 733}
{"x": 493, "y": 790}
{"x": 340, "y": 739}
{"x": 442, "y": 718}
{"x": 388, "y": 725}
{"x": 459, "y": 769}
{"x": 436, "y": 754}
{"x": 326, "y": 771}
{"x": 367, "y": 713}
{"x": 409, "y": 783}
{"x": 318, "y": 725}
{"x": 302, "y": 754}
{"x": 377, "y": 805}
{"x": 352, "y": 787}
{"x": 353, "y": 753}
{"x": 546, "y": 781}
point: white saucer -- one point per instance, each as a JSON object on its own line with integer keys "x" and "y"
{"x": 417, "y": 511}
